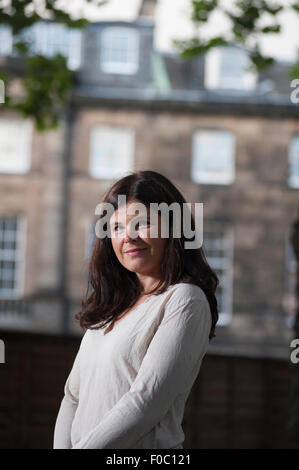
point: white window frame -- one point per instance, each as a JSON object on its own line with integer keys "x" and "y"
{"x": 214, "y": 78}
{"x": 95, "y": 170}
{"x": 70, "y": 46}
{"x": 222, "y": 263}
{"x": 6, "y": 38}
{"x": 23, "y": 144}
{"x": 110, "y": 65}
{"x": 19, "y": 258}
{"x": 199, "y": 175}
{"x": 293, "y": 160}
{"x": 41, "y": 36}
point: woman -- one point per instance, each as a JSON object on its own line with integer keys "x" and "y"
{"x": 129, "y": 382}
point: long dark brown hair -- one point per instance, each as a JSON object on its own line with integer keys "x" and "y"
{"x": 111, "y": 288}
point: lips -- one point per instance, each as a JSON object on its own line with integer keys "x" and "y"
{"x": 135, "y": 251}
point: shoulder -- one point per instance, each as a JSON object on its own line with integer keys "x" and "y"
{"x": 185, "y": 292}
{"x": 188, "y": 298}
{"x": 187, "y": 304}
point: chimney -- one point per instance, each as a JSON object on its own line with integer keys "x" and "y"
{"x": 147, "y": 8}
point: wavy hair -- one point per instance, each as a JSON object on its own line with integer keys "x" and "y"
{"x": 112, "y": 289}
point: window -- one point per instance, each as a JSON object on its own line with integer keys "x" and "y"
{"x": 6, "y": 40}
{"x": 119, "y": 50}
{"x": 46, "y": 38}
{"x": 218, "y": 249}
{"x": 111, "y": 151}
{"x": 12, "y": 231}
{"x": 213, "y": 157}
{"x": 15, "y": 145}
{"x": 289, "y": 299}
{"x": 227, "y": 68}
{"x": 293, "y": 180}
{"x": 53, "y": 38}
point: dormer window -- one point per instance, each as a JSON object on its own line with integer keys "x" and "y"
{"x": 46, "y": 38}
{"x": 6, "y": 40}
{"x": 54, "y": 38}
{"x": 119, "y": 50}
{"x": 226, "y": 68}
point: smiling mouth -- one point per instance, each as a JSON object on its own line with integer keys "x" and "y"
{"x": 135, "y": 252}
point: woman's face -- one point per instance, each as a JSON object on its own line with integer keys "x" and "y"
{"x": 147, "y": 260}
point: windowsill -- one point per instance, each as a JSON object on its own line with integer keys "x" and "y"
{"x": 293, "y": 186}
{"x": 119, "y": 70}
{"x": 214, "y": 183}
{"x": 13, "y": 173}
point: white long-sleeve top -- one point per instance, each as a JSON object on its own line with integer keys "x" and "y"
{"x": 127, "y": 388}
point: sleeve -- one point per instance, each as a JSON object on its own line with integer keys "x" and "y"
{"x": 171, "y": 364}
{"x": 68, "y": 407}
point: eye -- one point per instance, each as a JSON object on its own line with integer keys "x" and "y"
{"x": 117, "y": 227}
{"x": 143, "y": 222}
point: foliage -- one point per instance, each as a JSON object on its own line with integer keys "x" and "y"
{"x": 247, "y": 19}
{"x": 47, "y": 80}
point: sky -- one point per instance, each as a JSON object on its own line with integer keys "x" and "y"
{"x": 172, "y": 22}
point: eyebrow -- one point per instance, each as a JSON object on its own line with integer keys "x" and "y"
{"x": 140, "y": 218}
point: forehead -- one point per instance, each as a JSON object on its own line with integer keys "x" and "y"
{"x": 129, "y": 210}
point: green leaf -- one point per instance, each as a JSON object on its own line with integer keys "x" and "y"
{"x": 271, "y": 29}
{"x": 21, "y": 48}
{"x": 201, "y": 10}
{"x": 270, "y": 8}
{"x": 260, "y": 61}
{"x": 47, "y": 84}
{"x": 47, "y": 81}
{"x": 294, "y": 70}
{"x": 193, "y": 47}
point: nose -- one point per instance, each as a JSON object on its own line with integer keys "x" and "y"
{"x": 129, "y": 234}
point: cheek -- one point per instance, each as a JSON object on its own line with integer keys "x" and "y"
{"x": 115, "y": 245}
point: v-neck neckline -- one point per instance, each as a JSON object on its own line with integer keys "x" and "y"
{"x": 127, "y": 315}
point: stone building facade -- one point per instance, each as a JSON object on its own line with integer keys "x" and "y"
{"x": 226, "y": 139}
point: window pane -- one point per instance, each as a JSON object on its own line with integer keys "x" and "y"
{"x": 221, "y": 261}
{"x": 228, "y": 68}
{"x": 213, "y": 157}
{"x": 9, "y": 256}
{"x": 111, "y": 151}
{"x": 5, "y": 40}
{"x": 46, "y": 38}
{"x": 15, "y": 146}
{"x": 119, "y": 50}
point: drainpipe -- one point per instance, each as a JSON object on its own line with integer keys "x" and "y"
{"x": 66, "y": 180}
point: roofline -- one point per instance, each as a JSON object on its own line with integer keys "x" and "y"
{"x": 186, "y": 101}
{"x": 140, "y": 21}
